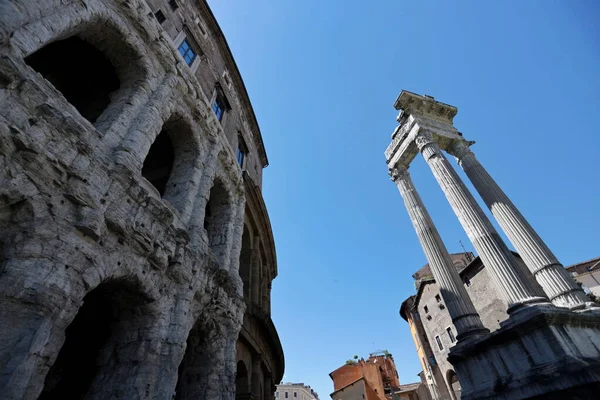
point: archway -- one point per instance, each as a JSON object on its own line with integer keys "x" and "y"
{"x": 453, "y": 385}
{"x": 242, "y": 386}
{"x": 245, "y": 261}
{"x": 217, "y": 218}
{"x": 81, "y": 72}
{"x": 99, "y": 322}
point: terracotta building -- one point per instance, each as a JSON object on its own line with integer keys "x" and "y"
{"x": 375, "y": 378}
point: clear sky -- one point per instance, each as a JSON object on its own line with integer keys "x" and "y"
{"x": 323, "y": 76}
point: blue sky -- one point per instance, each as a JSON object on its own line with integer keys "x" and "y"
{"x": 322, "y": 77}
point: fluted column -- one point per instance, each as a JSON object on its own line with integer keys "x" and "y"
{"x": 557, "y": 283}
{"x": 499, "y": 261}
{"x": 461, "y": 309}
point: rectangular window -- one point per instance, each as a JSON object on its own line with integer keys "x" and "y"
{"x": 286, "y": 396}
{"x": 426, "y": 309}
{"x": 240, "y": 157}
{"x": 450, "y": 334}
{"x": 186, "y": 51}
{"x": 173, "y": 4}
{"x": 160, "y": 17}
{"x": 439, "y": 342}
{"x": 438, "y": 298}
{"x": 467, "y": 282}
{"x": 219, "y": 108}
{"x": 295, "y": 394}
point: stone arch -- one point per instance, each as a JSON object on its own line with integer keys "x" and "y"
{"x": 453, "y": 385}
{"x": 246, "y": 261}
{"x": 218, "y": 218}
{"x": 88, "y": 354}
{"x": 204, "y": 361}
{"x": 172, "y": 163}
{"x": 242, "y": 381}
{"x": 94, "y": 67}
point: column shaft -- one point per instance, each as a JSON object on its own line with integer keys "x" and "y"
{"x": 558, "y": 285}
{"x": 461, "y": 309}
{"x": 500, "y": 262}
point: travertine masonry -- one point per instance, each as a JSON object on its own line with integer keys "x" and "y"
{"x": 120, "y": 279}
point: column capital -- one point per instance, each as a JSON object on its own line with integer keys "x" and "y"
{"x": 423, "y": 138}
{"x": 398, "y": 172}
{"x": 461, "y": 148}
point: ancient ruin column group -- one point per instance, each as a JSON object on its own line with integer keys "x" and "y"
{"x": 426, "y": 128}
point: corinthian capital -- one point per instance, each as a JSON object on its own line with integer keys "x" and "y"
{"x": 398, "y": 172}
{"x": 423, "y": 139}
{"x": 460, "y": 148}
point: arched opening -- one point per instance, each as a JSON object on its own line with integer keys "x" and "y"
{"x": 172, "y": 161}
{"x": 205, "y": 344}
{"x": 100, "y": 320}
{"x": 78, "y": 70}
{"x": 245, "y": 261}
{"x": 454, "y": 385}
{"x": 217, "y": 218}
{"x": 242, "y": 386}
{"x": 159, "y": 162}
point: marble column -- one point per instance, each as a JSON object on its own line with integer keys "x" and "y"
{"x": 557, "y": 283}
{"x": 461, "y": 309}
{"x": 499, "y": 261}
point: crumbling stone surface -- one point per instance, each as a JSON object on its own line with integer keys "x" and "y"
{"x": 82, "y": 229}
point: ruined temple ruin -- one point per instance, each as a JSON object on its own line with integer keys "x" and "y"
{"x": 136, "y": 253}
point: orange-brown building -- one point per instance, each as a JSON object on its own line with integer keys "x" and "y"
{"x": 375, "y": 378}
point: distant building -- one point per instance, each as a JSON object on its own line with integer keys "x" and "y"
{"x": 588, "y": 274}
{"x": 431, "y": 326}
{"x": 373, "y": 379}
{"x": 295, "y": 391}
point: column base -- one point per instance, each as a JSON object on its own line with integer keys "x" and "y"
{"x": 538, "y": 353}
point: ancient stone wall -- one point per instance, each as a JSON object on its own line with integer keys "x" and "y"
{"x": 134, "y": 283}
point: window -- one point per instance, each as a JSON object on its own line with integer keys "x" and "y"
{"x": 426, "y": 309}
{"x": 173, "y": 4}
{"x": 160, "y": 17}
{"x": 295, "y": 394}
{"x": 186, "y": 51}
{"x": 450, "y": 335}
{"x": 218, "y": 108}
{"x": 467, "y": 282}
{"x": 439, "y": 342}
{"x": 286, "y": 395}
{"x": 438, "y": 298}
{"x": 240, "y": 157}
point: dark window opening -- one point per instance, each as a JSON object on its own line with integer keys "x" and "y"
{"x": 426, "y": 309}
{"x": 286, "y": 395}
{"x": 94, "y": 326}
{"x": 173, "y": 4}
{"x": 195, "y": 368}
{"x": 451, "y": 335}
{"x": 240, "y": 157}
{"x": 246, "y": 261}
{"x": 439, "y": 343}
{"x": 467, "y": 282}
{"x": 218, "y": 108}
{"x": 438, "y": 298}
{"x": 160, "y": 17}
{"x": 241, "y": 379}
{"x": 186, "y": 51}
{"x": 159, "y": 162}
{"x": 84, "y": 76}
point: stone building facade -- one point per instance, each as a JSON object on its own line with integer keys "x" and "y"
{"x": 431, "y": 324}
{"x": 295, "y": 391}
{"x": 136, "y": 253}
